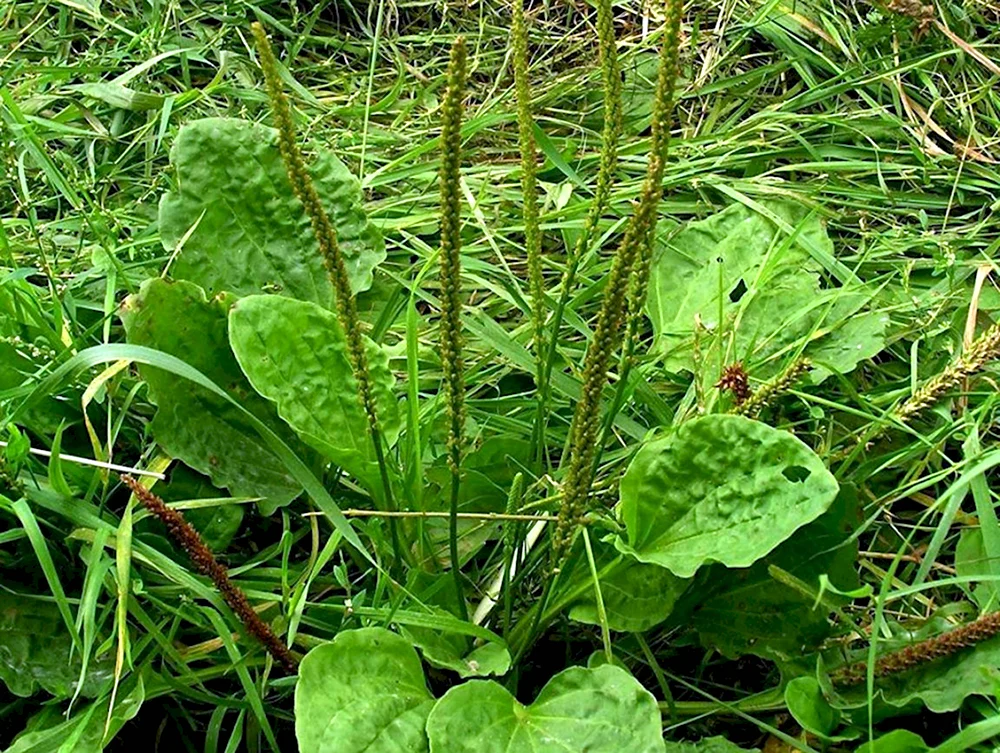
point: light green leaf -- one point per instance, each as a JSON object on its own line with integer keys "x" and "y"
{"x": 971, "y": 560}
{"x": 295, "y": 354}
{"x": 897, "y": 741}
{"x": 35, "y": 651}
{"x": 602, "y": 710}
{"x": 364, "y": 692}
{"x": 767, "y": 288}
{"x": 199, "y": 428}
{"x": 636, "y": 595}
{"x": 806, "y": 703}
{"x": 707, "y": 745}
{"x": 720, "y": 489}
{"x": 448, "y": 649}
{"x": 747, "y": 611}
{"x": 250, "y": 234}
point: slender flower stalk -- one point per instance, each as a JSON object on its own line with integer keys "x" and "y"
{"x": 910, "y": 657}
{"x": 529, "y": 183}
{"x": 613, "y": 314}
{"x": 205, "y": 562}
{"x": 451, "y": 291}
{"x": 980, "y": 353}
{"x": 611, "y": 83}
{"x": 326, "y": 238}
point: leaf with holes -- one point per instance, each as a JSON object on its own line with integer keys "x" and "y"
{"x": 191, "y": 424}
{"x": 758, "y": 272}
{"x": 295, "y": 354}
{"x": 235, "y": 224}
{"x": 364, "y": 692}
{"x": 720, "y": 489}
{"x": 601, "y": 710}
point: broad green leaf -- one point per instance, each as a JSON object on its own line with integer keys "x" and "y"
{"x": 767, "y": 288}
{"x": 201, "y": 429}
{"x": 364, "y": 692}
{"x": 235, "y": 224}
{"x": 636, "y": 595}
{"x": 806, "y": 703}
{"x": 35, "y": 651}
{"x": 747, "y": 611}
{"x": 897, "y": 741}
{"x": 90, "y": 729}
{"x": 707, "y": 745}
{"x": 295, "y": 354}
{"x": 602, "y": 710}
{"x": 720, "y": 489}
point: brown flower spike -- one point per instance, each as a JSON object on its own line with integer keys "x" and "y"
{"x": 206, "y": 563}
{"x": 938, "y": 647}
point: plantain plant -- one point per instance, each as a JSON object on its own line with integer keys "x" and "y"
{"x": 268, "y": 379}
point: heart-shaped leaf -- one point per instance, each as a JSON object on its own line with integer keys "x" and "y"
{"x": 236, "y": 225}
{"x": 601, "y": 710}
{"x": 364, "y": 692}
{"x": 720, "y": 489}
{"x": 295, "y": 354}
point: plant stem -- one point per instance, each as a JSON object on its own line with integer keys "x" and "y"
{"x": 451, "y": 300}
{"x": 611, "y": 318}
{"x": 611, "y": 86}
{"x": 326, "y": 238}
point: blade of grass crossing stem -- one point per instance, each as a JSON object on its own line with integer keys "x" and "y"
{"x": 985, "y": 511}
{"x": 252, "y": 694}
{"x": 140, "y": 354}
{"x": 98, "y": 565}
{"x": 37, "y": 540}
{"x": 602, "y": 615}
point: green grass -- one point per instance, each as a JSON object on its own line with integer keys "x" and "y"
{"x": 890, "y": 137}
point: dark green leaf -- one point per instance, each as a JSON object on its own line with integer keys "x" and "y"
{"x": 747, "y": 611}
{"x": 201, "y": 429}
{"x": 35, "y": 651}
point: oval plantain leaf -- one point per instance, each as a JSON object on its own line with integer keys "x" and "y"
{"x": 201, "y": 429}
{"x": 720, "y": 489}
{"x": 36, "y": 650}
{"x": 236, "y": 225}
{"x": 601, "y": 710}
{"x": 364, "y": 692}
{"x": 294, "y": 353}
{"x": 747, "y": 611}
{"x": 636, "y": 595}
